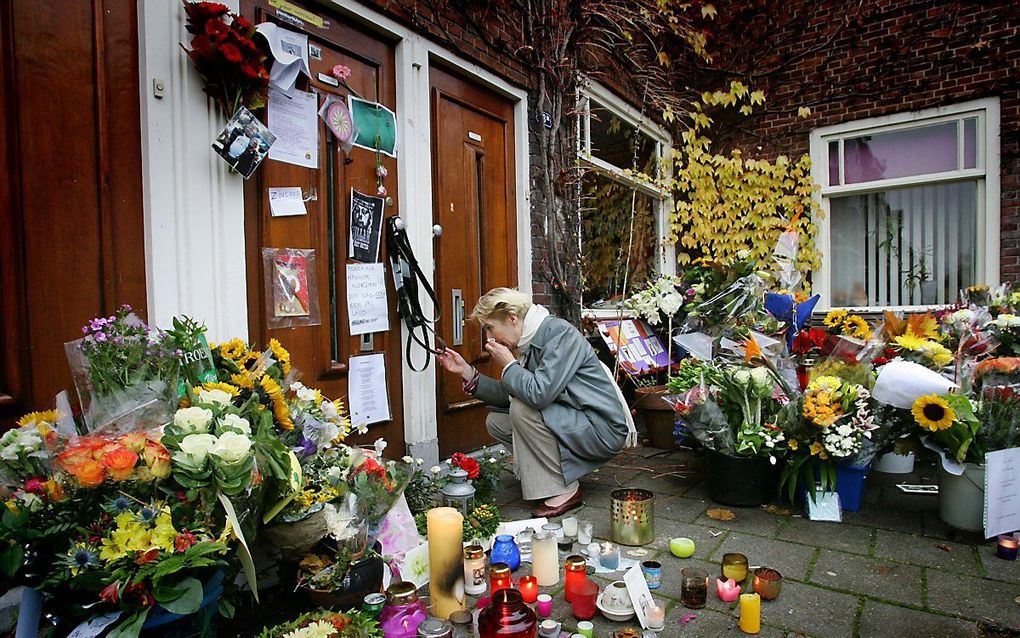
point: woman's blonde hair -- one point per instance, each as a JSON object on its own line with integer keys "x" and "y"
{"x": 500, "y": 303}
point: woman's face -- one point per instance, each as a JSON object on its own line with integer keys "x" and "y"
{"x": 506, "y": 330}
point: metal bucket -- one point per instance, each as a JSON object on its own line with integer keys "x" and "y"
{"x": 632, "y": 514}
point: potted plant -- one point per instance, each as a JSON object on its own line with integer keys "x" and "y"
{"x": 732, "y": 411}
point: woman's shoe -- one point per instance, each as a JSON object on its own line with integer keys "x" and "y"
{"x": 549, "y": 511}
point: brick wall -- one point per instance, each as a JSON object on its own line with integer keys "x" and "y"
{"x": 890, "y": 56}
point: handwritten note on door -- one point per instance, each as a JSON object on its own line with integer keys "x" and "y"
{"x": 367, "y": 310}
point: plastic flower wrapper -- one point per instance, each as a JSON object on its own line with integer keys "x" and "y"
{"x": 321, "y": 422}
{"x": 1006, "y": 330}
{"x": 126, "y": 374}
{"x": 915, "y": 338}
{"x": 93, "y": 460}
{"x": 377, "y": 483}
{"x": 788, "y": 306}
{"x": 25, "y": 451}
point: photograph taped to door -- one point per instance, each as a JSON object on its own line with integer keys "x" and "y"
{"x": 366, "y": 227}
{"x": 292, "y": 291}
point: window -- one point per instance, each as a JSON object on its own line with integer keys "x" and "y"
{"x": 912, "y": 206}
{"x": 612, "y": 139}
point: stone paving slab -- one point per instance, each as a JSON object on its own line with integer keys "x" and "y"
{"x": 974, "y": 598}
{"x": 848, "y": 538}
{"x": 881, "y": 517}
{"x": 869, "y": 576}
{"x": 812, "y": 611}
{"x": 792, "y": 560}
{"x": 995, "y": 567}
{"x": 879, "y": 620}
{"x": 705, "y": 541}
{"x": 753, "y": 520}
{"x": 920, "y": 550}
{"x": 708, "y": 623}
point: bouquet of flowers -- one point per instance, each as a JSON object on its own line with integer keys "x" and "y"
{"x": 949, "y": 420}
{"x": 659, "y": 301}
{"x": 828, "y": 423}
{"x": 916, "y": 338}
{"x": 326, "y": 624}
{"x": 377, "y": 483}
{"x": 124, "y": 372}
{"x": 232, "y": 66}
{"x": 1006, "y": 329}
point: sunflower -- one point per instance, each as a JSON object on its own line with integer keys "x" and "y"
{"x": 932, "y": 412}
{"x": 281, "y": 355}
{"x": 280, "y": 409}
{"x": 835, "y": 318}
{"x": 218, "y": 385}
{"x": 857, "y": 327}
{"x": 48, "y": 416}
{"x": 233, "y": 349}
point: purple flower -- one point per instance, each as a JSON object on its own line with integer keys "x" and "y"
{"x": 306, "y": 448}
{"x": 125, "y": 308}
{"x": 691, "y": 292}
{"x": 100, "y": 336}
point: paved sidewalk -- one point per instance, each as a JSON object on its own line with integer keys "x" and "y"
{"x": 892, "y": 569}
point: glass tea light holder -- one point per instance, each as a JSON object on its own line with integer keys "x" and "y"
{"x": 528, "y": 586}
{"x": 632, "y": 517}
{"x": 474, "y": 570}
{"x": 499, "y": 577}
{"x": 693, "y": 587}
{"x": 507, "y": 617}
{"x": 403, "y": 611}
{"x": 652, "y": 571}
{"x": 585, "y": 529}
{"x": 656, "y": 617}
{"x": 734, "y": 566}
{"x": 569, "y": 526}
{"x": 544, "y": 605}
{"x": 768, "y": 583}
{"x": 574, "y": 571}
{"x": 505, "y": 550}
{"x": 1006, "y": 547}
{"x": 609, "y": 556}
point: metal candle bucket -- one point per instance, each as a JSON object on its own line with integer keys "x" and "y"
{"x": 633, "y": 517}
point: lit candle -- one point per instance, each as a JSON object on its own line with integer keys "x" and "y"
{"x": 1007, "y": 547}
{"x": 609, "y": 556}
{"x": 734, "y": 566}
{"x": 570, "y": 526}
{"x": 545, "y": 560}
{"x": 574, "y": 571}
{"x": 446, "y": 560}
{"x": 750, "y": 613}
{"x": 499, "y": 577}
{"x": 474, "y": 570}
{"x": 656, "y": 617}
{"x": 544, "y": 605}
{"x": 529, "y": 588}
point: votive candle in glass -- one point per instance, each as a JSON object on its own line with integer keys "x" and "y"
{"x": 499, "y": 577}
{"x": 574, "y": 571}
{"x": 734, "y": 566}
{"x": 528, "y": 585}
{"x": 609, "y": 556}
{"x": 474, "y": 570}
{"x": 570, "y": 526}
{"x": 1006, "y": 548}
{"x": 656, "y": 617}
{"x": 544, "y": 605}
{"x": 750, "y": 613}
{"x": 693, "y": 587}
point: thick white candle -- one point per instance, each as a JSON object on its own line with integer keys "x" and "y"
{"x": 570, "y": 526}
{"x": 545, "y": 559}
{"x": 446, "y": 560}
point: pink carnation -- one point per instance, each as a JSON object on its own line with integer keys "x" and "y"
{"x": 341, "y": 72}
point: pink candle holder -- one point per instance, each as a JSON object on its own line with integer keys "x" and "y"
{"x": 544, "y": 604}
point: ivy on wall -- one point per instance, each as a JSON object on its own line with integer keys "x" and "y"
{"x": 728, "y": 203}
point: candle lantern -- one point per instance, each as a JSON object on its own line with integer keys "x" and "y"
{"x": 1006, "y": 547}
{"x": 499, "y": 577}
{"x": 403, "y": 611}
{"x": 693, "y": 587}
{"x": 507, "y": 617}
{"x": 528, "y": 586}
{"x": 574, "y": 571}
{"x": 459, "y": 493}
{"x": 474, "y": 570}
{"x": 632, "y": 517}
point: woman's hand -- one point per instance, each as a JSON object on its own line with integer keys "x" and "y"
{"x": 453, "y": 362}
{"x": 500, "y": 354}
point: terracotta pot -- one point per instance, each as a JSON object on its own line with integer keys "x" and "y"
{"x": 657, "y": 415}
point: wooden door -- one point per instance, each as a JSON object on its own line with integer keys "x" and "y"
{"x": 475, "y": 202}
{"x": 322, "y": 352}
{"x": 71, "y": 231}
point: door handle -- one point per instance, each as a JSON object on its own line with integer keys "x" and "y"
{"x": 458, "y": 316}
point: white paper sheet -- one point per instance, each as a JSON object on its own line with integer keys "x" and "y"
{"x": 1002, "y": 492}
{"x": 293, "y": 118}
{"x": 629, "y": 330}
{"x": 900, "y": 382}
{"x": 287, "y": 201}
{"x": 367, "y": 309}
{"x": 640, "y": 595}
{"x": 290, "y": 55}
{"x": 366, "y": 390}
{"x": 698, "y": 344}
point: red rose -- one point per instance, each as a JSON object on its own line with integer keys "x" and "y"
{"x": 470, "y": 466}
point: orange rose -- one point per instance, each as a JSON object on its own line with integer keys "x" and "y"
{"x": 89, "y": 473}
{"x": 134, "y": 441}
{"x": 157, "y": 458}
{"x": 120, "y": 462}
{"x": 74, "y": 456}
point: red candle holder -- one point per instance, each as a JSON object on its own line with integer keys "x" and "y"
{"x": 528, "y": 586}
{"x": 499, "y": 577}
{"x": 574, "y": 571}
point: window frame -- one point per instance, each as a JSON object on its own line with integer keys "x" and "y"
{"x": 986, "y": 173}
{"x": 666, "y": 252}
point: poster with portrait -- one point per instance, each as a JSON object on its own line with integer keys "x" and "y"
{"x": 292, "y": 295}
{"x": 366, "y": 227}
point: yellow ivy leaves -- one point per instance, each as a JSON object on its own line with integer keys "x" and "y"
{"x": 726, "y": 203}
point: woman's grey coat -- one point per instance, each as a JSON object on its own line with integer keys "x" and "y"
{"x": 562, "y": 377}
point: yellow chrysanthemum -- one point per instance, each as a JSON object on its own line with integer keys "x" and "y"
{"x": 938, "y": 353}
{"x": 909, "y": 341}
{"x": 826, "y": 382}
{"x": 835, "y": 317}
{"x": 226, "y": 387}
{"x": 47, "y": 416}
{"x": 281, "y": 355}
{"x": 933, "y": 413}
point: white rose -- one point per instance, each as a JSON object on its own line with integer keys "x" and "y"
{"x": 214, "y": 397}
{"x": 196, "y": 447}
{"x": 435, "y": 469}
{"x": 194, "y": 420}
{"x": 231, "y": 447}
{"x": 237, "y": 423}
